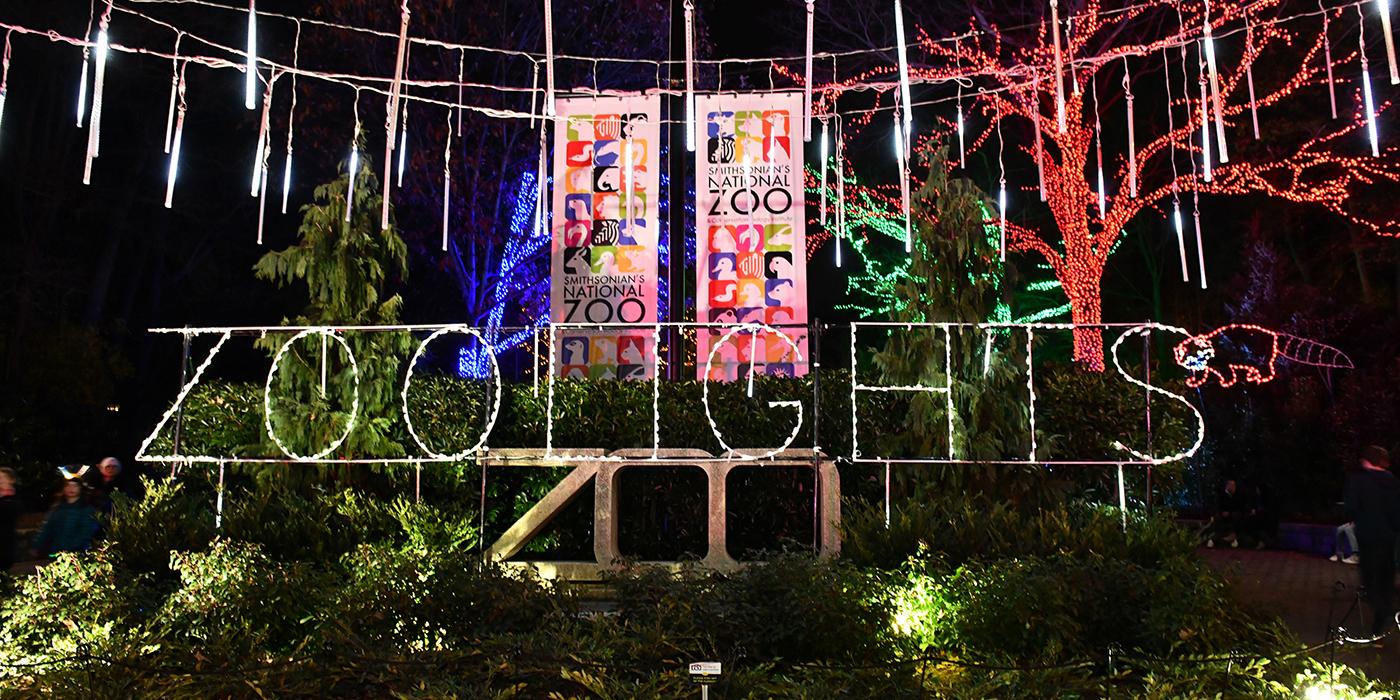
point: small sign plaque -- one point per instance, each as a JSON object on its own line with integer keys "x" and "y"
{"x": 705, "y": 672}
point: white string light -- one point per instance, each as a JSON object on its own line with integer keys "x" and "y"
{"x": 840, "y": 188}
{"x": 1383, "y": 9}
{"x": 962, "y": 144}
{"x": 174, "y": 83}
{"x": 291, "y": 117}
{"x": 179, "y": 402}
{"x": 1030, "y": 388}
{"x": 391, "y": 115}
{"x": 83, "y": 77}
{"x": 250, "y": 91}
{"x": 752, "y": 328}
{"x": 1001, "y": 179}
{"x": 1122, "y": 499}
{"x": 495, "y": 404}
{"x": 263, "y": 135}
{"x": 173, "y": 167}
{"x": 807, "y": 84}
{"x": 5, "y": 75}
{"x": 1200, "y": 247}
{"x": 354, "y": 161}
{"x": 447, "y": 181}
{"x": 902, "y": 50}
{"x": 1366, "y": 89}
{"x": 690, "y": 72}
{"x": 1171, "y": 143}
{"x": 542, "y": 185}
{"x": 1205, "y": 119}
{"x": 1059, "y": 66}
{"x": 1098, "y": 145}
{"x": 899, "y": 150}
{"x": 95, "y": 121}
{"x": 824, "y": 167}
{"x": 1209, "y": 44}
{"x": 219, "y": 500}
{"x": 262, "y": 192}
{"x": 403, "y": 143}
{"x": 1249, "y": 73}
{"x": 1200, "y": 420}
{"x": 1327, "y": 58}
{"x": 355, "y": 393}
{"x": 1039, "y": 143}
{"x": 1132, "y": 134}
{"x": 548, "y": 61}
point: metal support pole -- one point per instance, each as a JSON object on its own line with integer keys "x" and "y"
{"x": 1147, "y": 379}
{"x": 675, "y": 230}
{"x": 814, "y": 340}
{"x": 180, "y": 411}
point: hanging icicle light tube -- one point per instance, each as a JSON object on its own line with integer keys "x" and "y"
{"x": 250, "y": 91}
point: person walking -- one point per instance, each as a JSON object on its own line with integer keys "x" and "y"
{"x": 71, "y": 522}
{"x": 1373, "y": 503}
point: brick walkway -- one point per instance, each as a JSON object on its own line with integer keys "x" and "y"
{"x": 1301, "y": 588}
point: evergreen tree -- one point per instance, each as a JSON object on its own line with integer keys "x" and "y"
{"x": 955, "y": 276}
{"x": 346, "y": 267}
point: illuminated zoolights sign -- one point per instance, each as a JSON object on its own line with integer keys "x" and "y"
{"x": 1122, "y": 454}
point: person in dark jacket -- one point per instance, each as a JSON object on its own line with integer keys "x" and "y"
{"x": 1373, "y": 503}
{"x": 71, "y": 522}
{"x": 9, "y": 514}
{"x": 1229, "y": 518}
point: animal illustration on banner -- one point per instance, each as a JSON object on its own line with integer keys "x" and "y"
{"x": 606, "y": 174}
{"x": 1249, "y": 352}
{"x": 751, "y": 265}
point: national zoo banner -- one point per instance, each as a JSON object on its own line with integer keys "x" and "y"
{"x": 751, "y": 262}
{"x": 603, "y": 265}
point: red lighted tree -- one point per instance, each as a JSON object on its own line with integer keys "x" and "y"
{"x": 1331, "y": 167}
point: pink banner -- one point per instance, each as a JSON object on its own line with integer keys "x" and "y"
{"x": 751, "y": 262}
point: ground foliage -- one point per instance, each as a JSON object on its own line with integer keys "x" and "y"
{"x": 340, "y": 594}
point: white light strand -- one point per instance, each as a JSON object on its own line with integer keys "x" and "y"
{"x": 250, "y": 88}
{"x": 178, "y": 404}
{"x": 1205, "y": 120}
{"x": 391, "y": 116}
{"x": 403, "y": 144}
{"x": 1069, "y": 54}
{"x": 1059, "y": 66}
{"x": 1171, "y": 145}
{"x": 174, "y": 166}
{"x": 1200, "y": 420}
{"x": 986, "y": 354}
{"x": 753, "y": 360}
{"x": 447, "y": 181}
{"x": 354, "y": 161}
{"x": 690, "y": 135}
{"x": 1366, "y": 89}
{"x": 1030, "y": 385}
{"x": 291, "y": 117}
{"x": 542, "y": 184}
{"x": 629, "y": 183}
{"x": 1327, "y": 58}
{"x": 824, "y": 167}
{"x": 899, "y": 150}
{"x": 1001, "y": 179}
{"x": 807, "y": 84}
{"x": 1200, "y": 247}
{"x": 461, "y": 65}
{"x": 5, "y": 75}
{"x": 534, "y": 94}
{"x": 1122, "y": 499}
{"x": 729, "y": 334}
{"x": 962, "y": 142}
{"x": 840, "y": 188}
{"x": 495, "y": 404}
{"x": 1214, "y": 87}
{"x": 1249, "y": 74}
{"x": 95, "y": 121}
{"x": 219, "y": 501}
{"x": 1383, "y": 9}
{"x": 1039, "y": 143}
{"x": 174, "y": 85}
{"x": 354, "y": 406}
{"x": 548, "y": 60}
{"x": 1098, "y": 145}
{"x": 1132, "y": 133}
{"x": 262, "y": 193}
{"x": 258, "y": 161}
{"x": 902, "y": 51}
